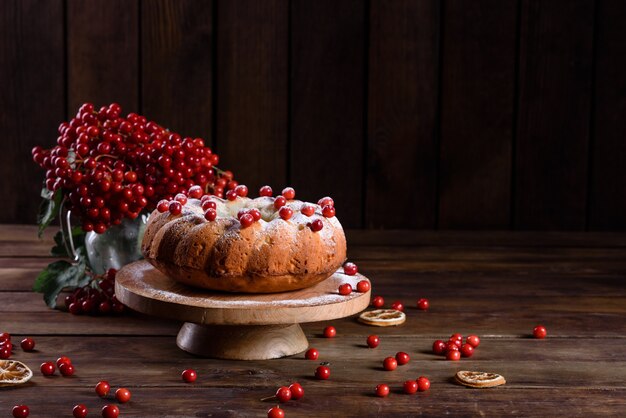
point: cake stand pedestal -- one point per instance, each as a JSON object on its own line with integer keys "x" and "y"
{"x": 237, "y": 326}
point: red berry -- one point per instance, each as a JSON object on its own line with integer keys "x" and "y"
{"x": 63, "y": 359}
{"x": 322, "y": 372}
{"x": 398, "y": 306}
{"x": 102, "y": 388}
{"x": 363, "y": 286}
{"x": 345, "y": 289}
{"x": 189, "y": 375}
{"x": 402, "y": 358}
{"x": 231, "y": 195}
{"x": 275, "y": 412}
{"x": 439, "y": 347}
{"x": 279, "y": 202}
{"x": 110, "y": 411}
{"x": 307, "y": 210}
{"x": 256, "y": 214}
{"x": 265, "y": 191}
{"x": 289, "y": 193}
{"x": 390, "y": 363}
{"x": 382, "y": 390}
{"x": 180, "y": 197}
{"x": 122, "y": 395}
{"x": 175, "y": 207}
{"x": 350, "y": 269}
{"x": 311, "y": 354}
{"x": 285, "y": 213}
{"x": 540, "y": 332}
{"x": 283, "y": 394}
{"x": 5, "y": 336}
{"x": 456, "y": 336}
{"x": 467, "y": 350}
{"x": 410, "y": 387}
{"x": 453, "y": 355}
{"x": 66, "y": 369}
{"x": 330, "y": 332}
{"x": 473, "y": 340}
{"x": 210, "y": 214}
{"x": 423, "y": 384}
{"x": 21, "y": 411}
{"x": 28, "y": 344}
{"x": 326, "y": 201}
{"x": 163, "y": 205}
{"x": 458, "y": 343}
{"x": 79, "y": 411}
{"x": 452, "y": 345}
{"x": 378, "y": 302}
{"x": 246, "y": 220}
{"x": 328, "y": 211}
{"x": 373, "y": 341}
{"x": 297, "y": 391}
{"x": 195, "y": 192}
{"x": 423, "y": 304}
{"x": 47, "y": 368}
{"x": 5, "y": 353}
{"x": 241, "y": 190}
{"x": 316, "y": 225}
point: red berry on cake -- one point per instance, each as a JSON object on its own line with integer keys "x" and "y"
{"x": 289, "y": 193}
{"x": 231, "y": 195}
{"x": 195, "y": 192}
{"x": 328, "y": 211}
{"x": 181, "y": 198}
{"x": 246, "y": 220}
{"x": 175, "y": 207}
{"x": 266, "y": 191}
{"x": 316, "y": 225}
{"x": 326, "y": 201}
{"x": 241, "y": 190}
{"x": 163, "y": 205}
{"x": 256, "y": 214}
{"x": 209, "y": 204}
{"x": 279, "y": 202}
{"x": 307, "y": 210}
{"x": 210, "y": 214}
{"x": 285, "y": 213}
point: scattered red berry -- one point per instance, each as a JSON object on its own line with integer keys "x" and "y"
{"x": 540, "y": 332}
{"x": 453, "y": 355}
{"x": 322, "y": 372}
{"x": 5, "y": 353}
{"x": 175, "y": 207}
{"x": 316, "y": 225}
{"x": 265, "y": 191}
{"x": 382, "y": 390}
{"x": 373, "y": 341}
{"x": 311, "y": 354}
{"x": 79, "y": 411}
{"x": 328, "y": 211}
{"x": 275, "y": 412}
{"x": 330, "y": 332}
{"x": 289, "y": 193}
{"x": 189, "y": 375}
{"x": 297, "y": 391}
{"x": 410, "y": 387}
{"x": 279, "y": 202}
{"x": 285, "y": 213}
{"x": 390, "y": 363}
{"x": 467, "y": 350}
{"x": 110, "y": 411}
{"x": 398, "y": 306}
{"x": 283, "y": 394}
{"x": 181, "y": 198}
{"x": 66, "y": 369}
{"x": 28, "y": 344}
{"x": 350, "y": 269}
{"x": 423, "y": 384}
{"x": 326, "y": 201}
{"x": 241, "y": 190}
{"x": 256, "y": 214}
{"x": 47, "y": 368}
{"x": 246, "y": 220}
{"x": 439, "y": 347}
{"x": 307, "y": 210}
{"x": 363, "y": 286}
{"x": 122, "y": 395}
{"x": 345, "y": 289}
{"x": 210, "y": 214}
{"x": 195, "y": 192}
{"x": 21, "y": 411}
{"x": 473, "y": 340}
{"x": 378, "y": 302}
{"x": 102, "y": 388}
{"x": 402, "y": 358}
{"x": 423, "y": 304}
{"x": 163, "y": 205}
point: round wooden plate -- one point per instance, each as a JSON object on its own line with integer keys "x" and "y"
{"x": 237, "y": 325}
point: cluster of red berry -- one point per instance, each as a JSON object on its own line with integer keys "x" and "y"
{"x": 284, "y": 394}
{"x": 379, "y": 302}
{"x": 6, "y": 347}
{"x": 454, "y": 348}
{"x": 111, "y": 167}
{"x": 95, "y": 298}
{"x": 64, "y": 364}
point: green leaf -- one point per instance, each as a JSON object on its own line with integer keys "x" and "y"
{"x": 48, "y": 209}
{"x": 59, "y": 275}
{"x": 60, "y": 248}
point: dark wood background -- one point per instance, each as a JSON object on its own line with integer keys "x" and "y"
{"x": 413, "y": 114}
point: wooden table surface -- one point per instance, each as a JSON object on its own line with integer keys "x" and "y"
{"x": 498, "y": 285}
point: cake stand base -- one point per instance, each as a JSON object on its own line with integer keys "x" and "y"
{"x": 242, "y": 342}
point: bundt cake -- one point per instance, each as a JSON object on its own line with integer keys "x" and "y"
{"x": 263, "y": 245}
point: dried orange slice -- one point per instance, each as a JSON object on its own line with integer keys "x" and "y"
{"x": 479, "y": 379}
{"x": 383, "y": 317}
{"x": 13, "y": 372}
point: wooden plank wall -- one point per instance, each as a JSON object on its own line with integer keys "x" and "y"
{"x": 488, "y": 114}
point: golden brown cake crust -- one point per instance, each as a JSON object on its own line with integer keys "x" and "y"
{"x": 272, "y": 255}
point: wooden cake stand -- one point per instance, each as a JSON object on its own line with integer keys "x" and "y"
{"x": 237, "y": 325}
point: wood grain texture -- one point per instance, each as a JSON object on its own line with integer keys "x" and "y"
{"x": 252, "y": 57}
{"x": 176, "y": 66}
{"x": 402, "y": 104}
{"x": 103, "y": 54}
{"x": 555, "y": 78}
{"x": 32, "y": 101}
{"x": 328, "y": 80}
{"x": 607, "y": 209}
{"x": 477, "y": 99}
